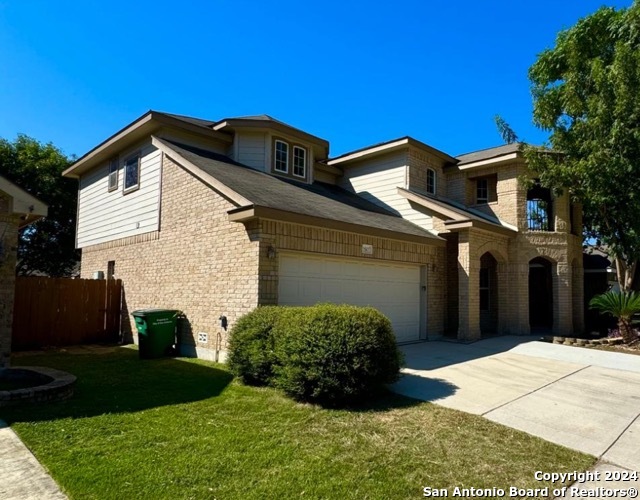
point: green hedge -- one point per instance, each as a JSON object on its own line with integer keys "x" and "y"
{"x": 328, "y": 354}
{"x": 251, "y": 349}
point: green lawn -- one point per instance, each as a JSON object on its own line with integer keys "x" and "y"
{"x": 177, "y": 428}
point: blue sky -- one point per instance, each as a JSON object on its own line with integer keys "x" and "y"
{"x": 353, "y": 72}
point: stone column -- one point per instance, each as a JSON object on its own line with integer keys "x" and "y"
{"x": 468, "y": 289}
{"x": 8, "y": 249}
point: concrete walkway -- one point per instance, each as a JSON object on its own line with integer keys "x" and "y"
{"x": 21, "y": 475}
{"x": 583, "y": 399}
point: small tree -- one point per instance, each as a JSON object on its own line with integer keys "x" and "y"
{"x": 48, "y": 245}
{"x": 622, "y": 305}
{"x": 585, "y": 92}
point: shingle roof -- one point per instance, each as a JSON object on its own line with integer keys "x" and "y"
{"x": 463, "y": 211}
{"x": 318, "y": 199}
{"x": 486, "y": 154}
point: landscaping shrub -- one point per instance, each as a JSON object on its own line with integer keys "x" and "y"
{"x": 334, "y": 355}
{"x": 251, "y": 346}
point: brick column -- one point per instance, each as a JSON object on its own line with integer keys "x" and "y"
{"x": 519, "y": 299}
{"x": 468, "y": 289}
{"x": 8, "y": 246}
{"x": 504, "y": 323}
{"x": 562, "y": 300}
{"x": 577, "y": 289}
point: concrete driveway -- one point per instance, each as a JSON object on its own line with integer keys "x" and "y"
{"x": 584, "y": 399}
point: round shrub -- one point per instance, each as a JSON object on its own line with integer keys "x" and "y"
{"x": 251, "y": 346}
{"x": 334, "y": 355}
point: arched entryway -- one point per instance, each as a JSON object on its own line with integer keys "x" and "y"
{"x": 540, "y": 294}
{"x": 488, "y": 294}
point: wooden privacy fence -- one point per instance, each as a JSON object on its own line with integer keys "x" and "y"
{"x": 63, "y": 311}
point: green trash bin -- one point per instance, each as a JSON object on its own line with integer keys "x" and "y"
{"x": 156, "y": 331}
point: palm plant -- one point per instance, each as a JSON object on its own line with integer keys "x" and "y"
{"x": 622, "y": 305}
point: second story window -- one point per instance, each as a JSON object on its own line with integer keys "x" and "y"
{"x": 486, "y": 189}
{"x": 281, "y": 162}
{"x": 289, "y": 159}
{"x": 539, "y": 209}
{"x": 113, "y": 174}
{"x": 299, "y": 161}
{"x": 132, "y": 173}
{"x": 431, "y": 181}
{"x": 482, "y": 191}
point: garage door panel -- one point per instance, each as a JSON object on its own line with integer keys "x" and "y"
{"x": 391, "y": 288}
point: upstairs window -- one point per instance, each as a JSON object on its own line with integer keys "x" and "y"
{"x": 539, "y": 209}
{"x": 281, "y": 163}
{"x": 113, "y": 174}
{"x": 482, "y": 191}
{"x": 289, "y": 159}
{"x": 299, "y": 161}
{"x": 431, "y": 181}
{"x": 486, "y": 189}
{"x": 132, "y": 173}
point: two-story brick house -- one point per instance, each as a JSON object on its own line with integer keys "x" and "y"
{"x": 216, "y": 218}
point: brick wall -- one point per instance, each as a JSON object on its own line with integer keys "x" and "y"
{"x": 419, "y": 161}
{"x": 206, "y": 266}
{"x": 198, "y": 262}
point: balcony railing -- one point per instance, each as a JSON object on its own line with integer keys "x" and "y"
{"x": 539, "y": 215}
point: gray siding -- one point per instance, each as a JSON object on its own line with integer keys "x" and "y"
{"x": 252, "y": 150}
{"x": 104, "y": 216}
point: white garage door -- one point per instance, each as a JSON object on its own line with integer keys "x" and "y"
{"x": 392, "y": 288}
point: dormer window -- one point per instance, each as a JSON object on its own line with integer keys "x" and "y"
{"x": 299, "y": 161}
{"x": 431, "y": 181}
{"x": 281, "y": 158}
{"x": 289, "y": 159}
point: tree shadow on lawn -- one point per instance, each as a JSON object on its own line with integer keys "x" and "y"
{"x": 121, "y": 383}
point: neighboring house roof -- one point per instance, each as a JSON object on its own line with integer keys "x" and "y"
{"x": 252, "y": 189}
{"x": 30, "y": 207}
{"x": 386, "y": 147}
{"x": 596, "y": 261}
{"x": 457, "y": 213}
{"x": 489, "y": 153}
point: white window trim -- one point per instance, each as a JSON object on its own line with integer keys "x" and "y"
{"x": 129, "y": 189}
{"x": 275, "y": 157}
{"x": 304, "y": 166}
{"x": 113, "y": 169}
{"x": 486, "y": 188}
{"x": 435, "y": 181}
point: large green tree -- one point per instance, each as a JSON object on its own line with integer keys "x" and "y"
{"x": 586, "y": 92}
{"x": 48, "y": 245}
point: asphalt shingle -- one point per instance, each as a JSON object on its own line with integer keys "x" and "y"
{"x": 318, "y": 199}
